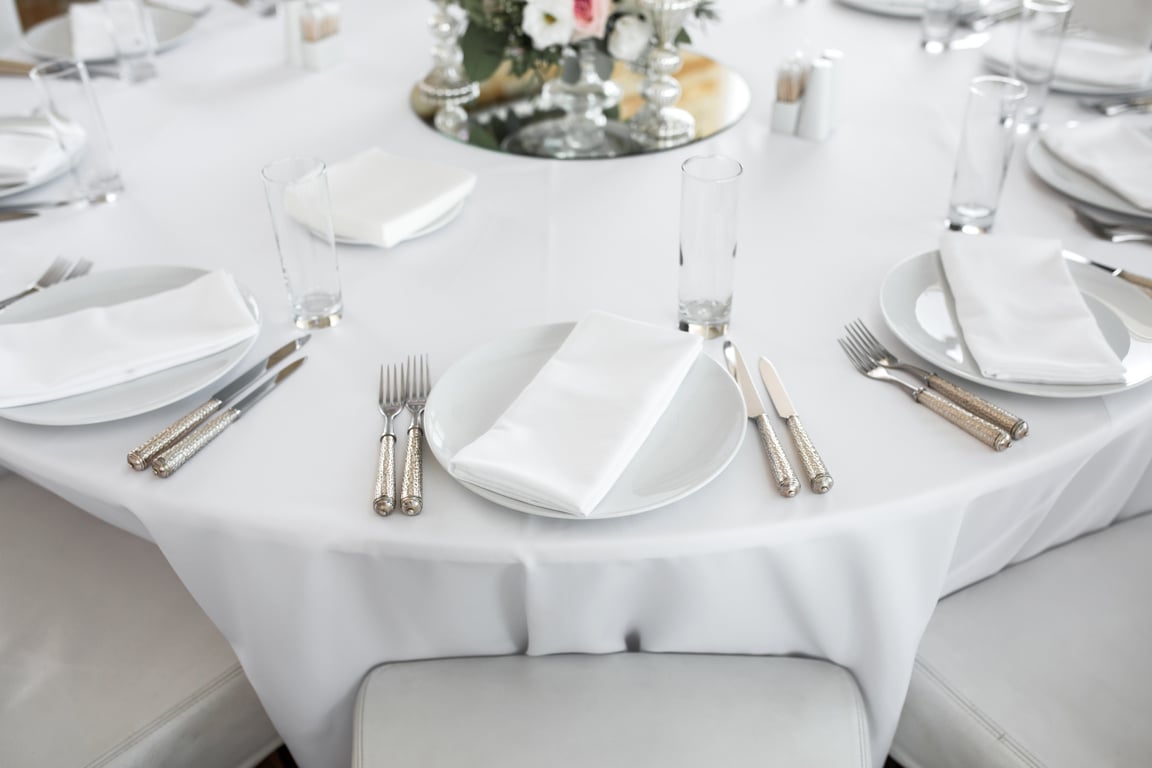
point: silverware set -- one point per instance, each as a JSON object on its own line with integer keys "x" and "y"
{"x": 992, "y": 425}
{"x": 402, "y": 387}
{"x": 172, "y": 447}
{"x": 1115, "y": 230}
{"x": 58, "y": 271}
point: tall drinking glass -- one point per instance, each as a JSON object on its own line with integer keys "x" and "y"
{"x": 708, "y": 218}
{"x": 298, "y": 201}
{"x": 938, "y": 24}
{"x": 986, "y": 144}
{"x": 1038, "y": 41}
{"x": 69, "y": 102}
{"x": 130, "y": 26}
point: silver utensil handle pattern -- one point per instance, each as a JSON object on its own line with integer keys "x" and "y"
{"x": 984, "y": 431}
{"x": 1015, "y": 426}
{"x": 384, "y": 498}
{"x": 786, "y": 482}
{"x": 140, "y": 458}
{"x": 412, "y": 485}
{"x": 176, "y": 456}
{"x": 818, "y": 478}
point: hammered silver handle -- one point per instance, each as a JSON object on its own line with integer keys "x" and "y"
{"x": 984, "y": 431}
{"x": 818, "y": 478}
{"x": 140, "y": 458}
{"x": 412, "y": 485}
{"x": 384, "y": 499}
{"x": 786, "y": 482}
{"x": 176, "y": 456}
{"x": 1015, "y": 426}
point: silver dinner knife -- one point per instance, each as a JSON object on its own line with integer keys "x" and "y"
{"x": 786, "y": 482}
{"x": 818, "y": 478}
{"x": 176, "y": 456}
{"x": 140, "y": 458}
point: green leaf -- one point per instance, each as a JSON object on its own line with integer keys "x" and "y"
{"x": 683, "y": 38}
{"x": 483, "y": 51}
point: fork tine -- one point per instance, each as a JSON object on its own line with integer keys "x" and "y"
{"x": 856, "y": 363}
{"x": 79, "y": 269}
{"x": 380, "y": 396}
{"x": 54, "y": 273}
{"x": 427, "y": 378}
{"x": 873, "y": 342}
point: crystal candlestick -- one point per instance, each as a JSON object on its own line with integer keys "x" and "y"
{"x": 659, "y": 124}
{"x": 447, "y": 85}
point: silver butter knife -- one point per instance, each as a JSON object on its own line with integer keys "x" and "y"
{"x": 819, "y": 480}
{"x": 786, "y": 482}
{"x": 176, "y": 456}
{"x": 140, "y": 458}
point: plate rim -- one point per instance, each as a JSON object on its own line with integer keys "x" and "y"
{"x": 240, "y": 351}
{"x": 519, "y": 505}
{"x": 1037, "y": 153}
{"x": 1036, "y": 389}
{"x": 32, "y": 39}
{"x": 70, "y": 158}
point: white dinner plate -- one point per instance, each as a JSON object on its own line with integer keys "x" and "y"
{"x": 1075, "y": 184}
{"x": 52, "y": 38}
{"x": 998, "y": 59}
{"x": 439, "y": 223}
{"x": 40, "y": 126}
{"x": 918, "y": 308}
{"x": 689, "y": 446}
{"x": 132, "y": 397}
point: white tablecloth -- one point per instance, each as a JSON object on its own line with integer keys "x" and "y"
{"x": 272, "y": 528}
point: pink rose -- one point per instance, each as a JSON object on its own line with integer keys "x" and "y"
{"x": 591, "y": 16}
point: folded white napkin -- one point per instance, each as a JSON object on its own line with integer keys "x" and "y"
{"x": 101, "y": 346}
{"x": 28, "y": 157}
{"x": 91, "y": 35}
{"x": 1113, "y": 152}
{"x": 1091, "y": 60}
{"x": 1022, "y": 316}
{"x": 382, "y": 199}
{"x": 569, "y": 435}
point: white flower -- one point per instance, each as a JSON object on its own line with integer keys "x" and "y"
{"x": 629, "y": 38}
{"x": 549, "y": 22}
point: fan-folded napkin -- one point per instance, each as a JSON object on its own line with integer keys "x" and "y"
{"x": 1091, "y": 60}
{"x": 97, "y": 347}
{"x": 91, "y": 35}
{"x": 1022, "y": 316}
{"x": 383, "y": 199}
{"x": 1115, "y": 153}
{"x": 26, "y": 157}
{"x": 572, "y": 431}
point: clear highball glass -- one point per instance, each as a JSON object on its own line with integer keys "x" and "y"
{"x": 709, "y": 194}
{"x": 1039, "y": 38}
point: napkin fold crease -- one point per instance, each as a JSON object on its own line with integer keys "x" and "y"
{"x": 1115, "y": 153}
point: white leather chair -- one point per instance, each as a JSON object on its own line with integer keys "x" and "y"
{"x": 623, "y": 710}
{"x": 105, "y": 659}
{"x": 1047, "y": 664}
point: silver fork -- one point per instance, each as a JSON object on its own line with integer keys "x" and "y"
{"x": 81, "y": 268}
{"x": 416, "y": 386}
{"x": 1112, "y": 231}
{"x": 390, "y": 403}
{"x": 879, "y": 355}
{"x": 984, "y": 431}
{"x": 57, "y": 271}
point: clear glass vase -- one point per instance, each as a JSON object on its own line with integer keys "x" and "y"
{"x": 658, "y": 124}
{"x": 447, "y": 86}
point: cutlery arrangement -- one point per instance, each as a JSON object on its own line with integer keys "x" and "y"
{"x": 1113, "y": 107}
{"x": 402, "y": 387}
{"x": 1114, "y": 230}
{"x": 58, "y": 271}
{"x": 819, "y": 480}
{"x": 1138, "y": 280}
{"x": 29, "y": 210}
{"x": 173, "y": 446}
{"x": 988, "y": 423}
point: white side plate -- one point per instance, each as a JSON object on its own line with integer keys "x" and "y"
{"x": 1079, "y": 186}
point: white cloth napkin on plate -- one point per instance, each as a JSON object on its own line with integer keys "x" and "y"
{"x": 27, "y": 157}
{"x": 383, "y": 199}
{"x": 1022, "y": 315}
{"x": 1114, "y": 152}
{"x": 1095, "y": 60}
{"x": 91, "y": 37}
{"x": 97, "y": 347}
{"x": 572, "y": 431}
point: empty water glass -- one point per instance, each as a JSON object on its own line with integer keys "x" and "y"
{"x": 986, "y": 144}
{"x": 130, "y": 26}
{"x": 938, "y": 24}
{"x": 1038, "y": 41}
{"x": 708, "y": 217}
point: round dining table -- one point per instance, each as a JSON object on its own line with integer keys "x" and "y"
{"x": 272, "y": 527}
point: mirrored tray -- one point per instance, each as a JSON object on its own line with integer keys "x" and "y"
{"x": 716, "y": 96}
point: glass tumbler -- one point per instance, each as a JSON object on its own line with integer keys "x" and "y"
{"x": 297, "y": 192}
{"x": 986, "y": 144}
{"x": 938, "y": 24}
{"x": 1038, "y": 40}
{"x": 130, "y": 26}
{"x": 708, "y": 219}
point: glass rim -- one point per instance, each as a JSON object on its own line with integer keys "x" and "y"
{"x": 1008, "y": 87}
{"x": 58, "y": 67}
{"x": 293, "y": 169}
{"x": 732, "y": 169}
{"x": 1048, "y": 6}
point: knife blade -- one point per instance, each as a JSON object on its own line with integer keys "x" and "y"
{"x": 176, "y": 456}
{"x": 819, "y": 480}
{"x": 786, "y": 482}
{"x": 140, "y": 458}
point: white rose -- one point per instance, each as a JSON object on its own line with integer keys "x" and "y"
{"x": 629, "y": 38}
{"x": 549, "y": 22}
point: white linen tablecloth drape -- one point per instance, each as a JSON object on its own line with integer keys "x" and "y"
{"x": 272, "y": 528}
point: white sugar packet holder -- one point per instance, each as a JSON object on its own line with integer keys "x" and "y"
{"x": 98, "y": 347}
{"x": 1022, "y": 315}
{"x": 572, "y": 431}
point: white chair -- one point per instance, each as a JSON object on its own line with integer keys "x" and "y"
{"x": 1048, "y": 664}
{"x": 623, "y": 710}
{"x": 105, "y": 659}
